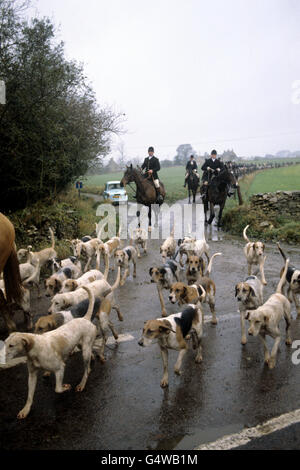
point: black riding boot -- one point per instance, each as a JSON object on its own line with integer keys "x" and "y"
{"x": 159, "y": 198}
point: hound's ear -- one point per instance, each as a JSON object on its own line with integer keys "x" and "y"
{"x": 131, "y": 166}
{"x": 150, "y": 271}
{"x": 160, "y": 250}
{"x": 201, "y": 265}
{"x": 183, "y": 292}
{"x": 247, "y": 315}
{"x": 252, "y": 292}
{"x": 27, "y": 343}
{"x": 179, "y": 242}
{"x": 236, "y": 290}
{"x": 165, "y": 327}
{"x": 263, "y": 246}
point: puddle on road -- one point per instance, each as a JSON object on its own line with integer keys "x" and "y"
{"x": 198, "y": 437}
{"x": 213, "y": 233}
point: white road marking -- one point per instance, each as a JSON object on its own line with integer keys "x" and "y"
{"x": 235, "y": 440}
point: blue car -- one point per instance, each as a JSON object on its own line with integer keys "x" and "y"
{"x": 114, "y": 193}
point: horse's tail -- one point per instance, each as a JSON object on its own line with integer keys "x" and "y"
{"x": 244, "y": 234}
{"x": 12, "y": 279}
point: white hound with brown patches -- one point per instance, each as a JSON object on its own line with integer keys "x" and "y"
{"x": 51, "y": 350}
{"x": 30, "y": 274}
{"x": 249, "y": 294}
{"x": 89, "y": 248}
{"x": 140, "y": 238}
{"x": 191, "y": 246}
{"x": 43, "y": 256}
{"x": 265, "y": 320}
{"x": 123, "y": 258}
{"x": 163, "y": 276}
{"x": 100, "y": 288}
{"x": 255, "y": 255}
{"x": 171, "y": 333}
{"x": 168, "y": 248}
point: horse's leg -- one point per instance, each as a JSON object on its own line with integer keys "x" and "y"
{"x": 205, "y": 210}
{"x": 189, "y": 196}
{"x": 156, "y": 212}
{"x": 212, "y": 213}
{"x": 194, "y": 196}
{"x": 220, "y": 213}
{"x": 149, "y": 219}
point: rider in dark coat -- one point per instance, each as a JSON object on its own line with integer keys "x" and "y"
{"x": 150, "y": 167}
{"x": 191, "y": 166}
{"x": 215, "y": 164}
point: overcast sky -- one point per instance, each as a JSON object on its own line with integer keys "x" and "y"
{"x": 212, "y": 73}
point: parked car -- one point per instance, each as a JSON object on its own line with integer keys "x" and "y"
{"x": 114, "y": 193}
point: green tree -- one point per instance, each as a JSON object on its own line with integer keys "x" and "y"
{"x": 52, "y": 129}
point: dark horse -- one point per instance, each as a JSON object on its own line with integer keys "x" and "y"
{"x": 145, "y": 189}
{"x": 217, "y": 193}
{"x": 193, "y": 183}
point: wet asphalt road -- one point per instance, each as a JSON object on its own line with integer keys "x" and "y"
{"x": 123, "y": 406}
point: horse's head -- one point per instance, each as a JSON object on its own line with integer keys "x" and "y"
{"x": 230, "y": 177}
{"x": 128, "y": 176}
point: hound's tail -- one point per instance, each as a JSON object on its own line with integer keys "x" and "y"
{"x": 282, "y": 279}
{"x": 244, "y": 234}
{"x": 52, "y": 238}
{"x": 120, "y": 230}
{"x": 281, "y": 252}
{"x": 117, "y": 281}
{"x": 89, "y": 312}
{"x": 106, "y": 257}
{"x": 208, "y": 271}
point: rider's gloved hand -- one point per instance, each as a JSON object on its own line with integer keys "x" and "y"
{"x": 218, "y": 169}
{"x": 208, "y": 168}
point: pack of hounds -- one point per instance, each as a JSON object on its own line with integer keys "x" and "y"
{"x": 81, "y": 301}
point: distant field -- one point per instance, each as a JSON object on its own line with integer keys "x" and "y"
{"x": 173, "y": 179}
{"x": 277, "y": 179}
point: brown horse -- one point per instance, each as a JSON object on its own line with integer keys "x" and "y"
{"x": 145, "y": 189}
{"x": 9, "y": 265}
